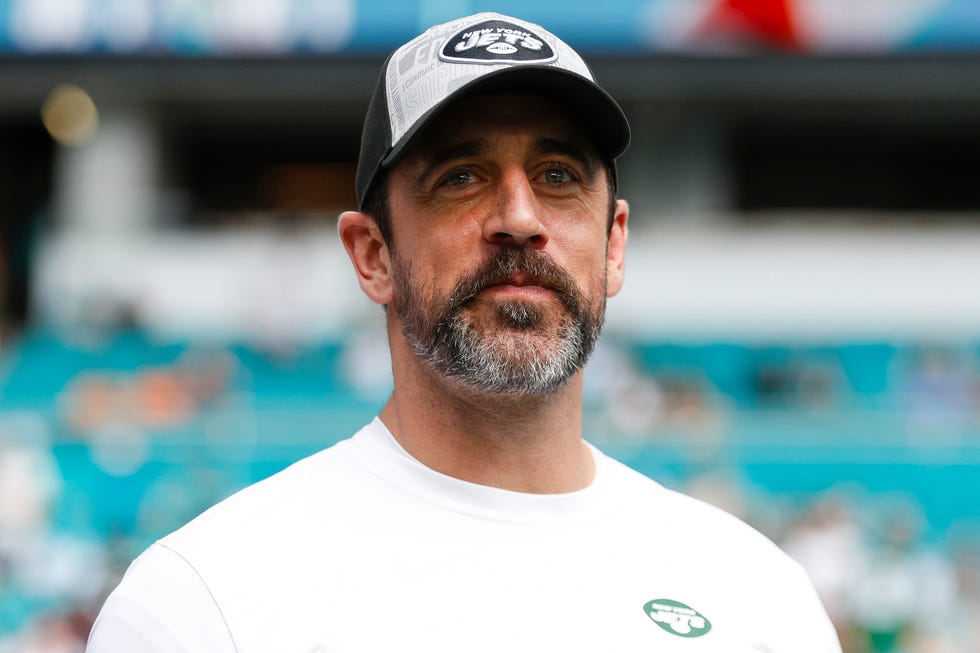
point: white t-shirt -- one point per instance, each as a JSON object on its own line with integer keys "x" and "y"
{"x": 362, "y": 548}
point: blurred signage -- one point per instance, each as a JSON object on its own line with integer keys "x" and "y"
{"x": 296, "y": 27}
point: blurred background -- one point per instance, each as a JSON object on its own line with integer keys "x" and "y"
{"x": 798, "y": 340}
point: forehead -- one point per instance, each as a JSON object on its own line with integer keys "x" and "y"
{"x": 487, "y": 117}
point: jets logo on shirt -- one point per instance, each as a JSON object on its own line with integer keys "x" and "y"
{"x": 677, "y": 618}
{"x": 496, "y": 41}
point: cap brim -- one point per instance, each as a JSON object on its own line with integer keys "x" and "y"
{"x": 598, "y": 112}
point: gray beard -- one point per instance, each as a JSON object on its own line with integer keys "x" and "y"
{"x": 497, "y": 359}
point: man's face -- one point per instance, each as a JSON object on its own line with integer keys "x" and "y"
{"x": 500, "y": 215}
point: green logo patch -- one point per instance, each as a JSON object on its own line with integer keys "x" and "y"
{"x": 677, "y": 618}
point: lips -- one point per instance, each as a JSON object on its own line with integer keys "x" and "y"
{"x": 514, "y": 272}
{"x": 520, "y": 280}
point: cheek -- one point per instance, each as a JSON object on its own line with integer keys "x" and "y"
{"x": 598, "y": 278}
{"x": 584, "y": 257}
{"x": 449, "y": 254}
{"x": 434, "y": 273}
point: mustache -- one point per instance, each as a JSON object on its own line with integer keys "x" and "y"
{"x": 536, "y": 266}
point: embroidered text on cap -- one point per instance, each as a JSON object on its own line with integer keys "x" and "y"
{"x": 496, "y": 41}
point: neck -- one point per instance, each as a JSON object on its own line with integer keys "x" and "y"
{"x": 515, "y": 442}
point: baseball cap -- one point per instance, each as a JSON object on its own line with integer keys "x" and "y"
{"x": 479, "y": 53}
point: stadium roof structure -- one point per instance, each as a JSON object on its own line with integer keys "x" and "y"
{"x": 304, "y": 27}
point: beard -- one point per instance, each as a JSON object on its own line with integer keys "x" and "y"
{"x": 515, "y": 347}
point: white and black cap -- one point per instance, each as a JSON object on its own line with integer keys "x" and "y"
{"x": 479, "y": 53}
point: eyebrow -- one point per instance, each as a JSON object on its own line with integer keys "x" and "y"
{"x": 436, "y": 156}
{"x": 475, "y": 147}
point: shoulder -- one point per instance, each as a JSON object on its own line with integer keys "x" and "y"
{"x": 252, "y": 513}
{"x": 691, "y": 523}
{"x": 192, "y": 584}
{"x": 161, "y": 605}
{"x": 724, "y": 563}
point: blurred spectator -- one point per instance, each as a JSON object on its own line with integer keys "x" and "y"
{"x": 801, "y": 381}
{"x": 828, "y": 541}
{"x": 965, "y": 555}
{"x": 904, "y": 595}
{"x": 207, "y": 374}
{"x": 54, "y": 633}
{"x": 152, "y": 397}
{"x": 630, "y": 401}
{"x": 29, "y": 477}
{"x": 692, "y": 409}
{"x": 938, "y": 392}
{"x": 42, "y": 570}
{"x": 365, "y": 363}
{"x": 722, "y": 487}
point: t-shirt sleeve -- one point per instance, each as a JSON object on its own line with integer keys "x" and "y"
{"x": 161, "y": 605}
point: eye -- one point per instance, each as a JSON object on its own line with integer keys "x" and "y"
{"x": 557, "y": 176}
{"x": 458, "y": 178}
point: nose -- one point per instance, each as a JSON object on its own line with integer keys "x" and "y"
{"x": 515, "y": 215}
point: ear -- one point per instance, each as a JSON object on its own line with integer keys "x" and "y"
{"x": 368, "y": 253}
{"x": 616, "y": 251}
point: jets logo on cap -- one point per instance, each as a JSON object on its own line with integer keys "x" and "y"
{"x": 496, "y": 41}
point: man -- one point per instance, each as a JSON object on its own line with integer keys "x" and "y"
{"x": 471, "y": 516}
